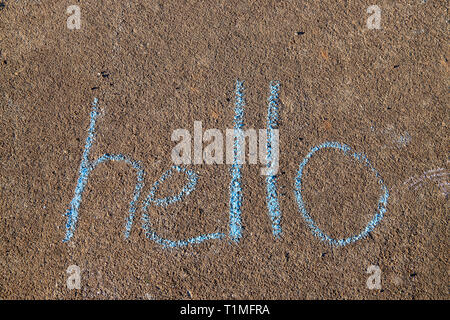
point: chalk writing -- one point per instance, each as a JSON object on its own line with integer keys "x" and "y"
{"x": 192, "y": 177}
{"x": 235, "y": 184}
{"x": 86, "y": 167}
{"x": 236, "y": 193}
{"x": 382, "y": 202}
{"x": 439, "y": 176}
{"x": 273, "y": 205}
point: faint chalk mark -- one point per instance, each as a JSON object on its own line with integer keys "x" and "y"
{"x": 403, "y": 139}
{"x": 438, "y": 176}
{"x": 392, "y": 138}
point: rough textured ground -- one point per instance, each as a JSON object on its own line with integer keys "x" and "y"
{"x": 156, "y": 66}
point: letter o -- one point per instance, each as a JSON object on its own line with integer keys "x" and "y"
{"x": 382, "y": 202}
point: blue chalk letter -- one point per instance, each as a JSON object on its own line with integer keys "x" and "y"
{"x": 235, "y": 183}
{"x": 382, "y": 202}
{"x": 187, "y": 189}
{"x": 86, "y": 167}
{"x": 272, "y": 159}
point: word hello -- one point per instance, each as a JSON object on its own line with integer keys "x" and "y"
{"x": 236, "y": 192}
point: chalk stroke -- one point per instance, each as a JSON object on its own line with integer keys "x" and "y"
{"x": 403, "y": 139}
{"x": 273, "y": 205}
{"x": 382, "y": 202}
{"x": 392, "y": 138}
{"x": 438, "y": 176}
{"x": 235, "y": 183}
{"x": 86, "y": 167}
{"x": 187, "y": 189}
{"x": 192, "y": 176}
